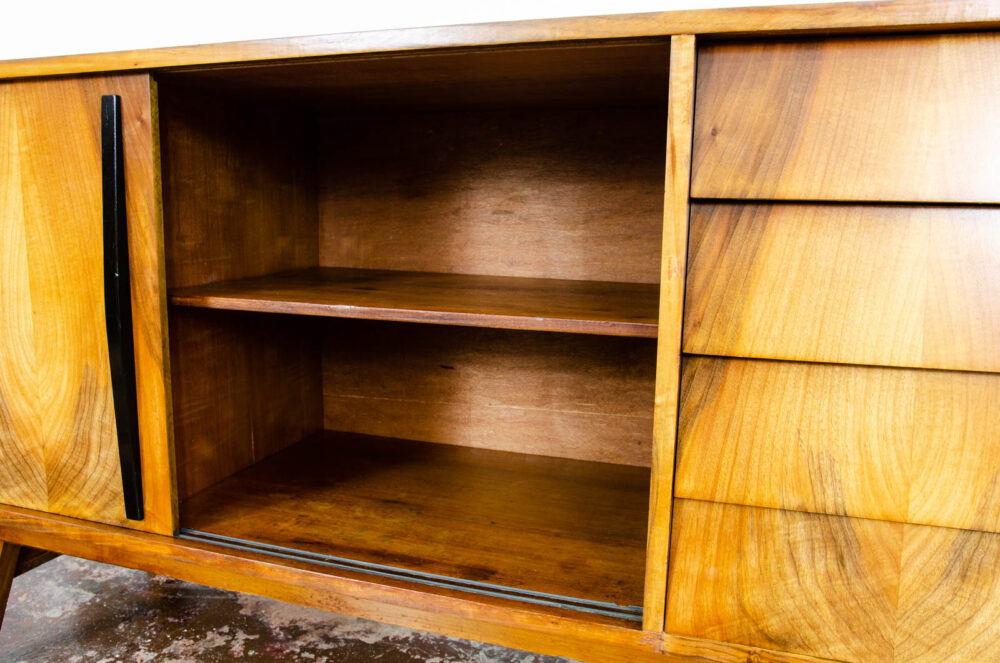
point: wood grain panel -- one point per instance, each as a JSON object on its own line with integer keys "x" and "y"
{"x": 948, "y": 607}
{"x": 53, "y": 221}
{"x": 244, "y": 387}
{"x": 882, "y": 285}
{"x": 812, "y": 584}
{"x": 904, "y": 445}
{"x": 887, "y": 118}
{"x": 673, "y": 269}
{"x": 504, "y": 302}
{"x": 563, "y": 194}
{"x": 570, "y": 396}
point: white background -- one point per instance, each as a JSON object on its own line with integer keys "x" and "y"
{"x": 33, "y": 28}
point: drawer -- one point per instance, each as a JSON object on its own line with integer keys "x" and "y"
{"x": 910, "y": 118}
{"x": 896, "y": 444}
{"x": 834, "y": 587}
{"x": 861, "y": 284}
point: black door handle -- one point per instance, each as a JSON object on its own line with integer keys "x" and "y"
{"x": 118, "y": 304}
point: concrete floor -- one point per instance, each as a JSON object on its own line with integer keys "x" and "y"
{"x": 74, "y": 611}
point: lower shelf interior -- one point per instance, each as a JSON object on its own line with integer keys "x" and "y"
{"x": 548, "y": 530}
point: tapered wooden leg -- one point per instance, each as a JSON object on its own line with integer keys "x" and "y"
{"x": 8, "y": 569}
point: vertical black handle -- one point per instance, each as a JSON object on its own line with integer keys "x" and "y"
{"x": 118, "y": 304}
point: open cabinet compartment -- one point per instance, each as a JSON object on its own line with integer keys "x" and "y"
{"x": 413, "y": 313}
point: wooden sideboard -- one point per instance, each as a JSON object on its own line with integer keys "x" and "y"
{"x": 658, "y": 337}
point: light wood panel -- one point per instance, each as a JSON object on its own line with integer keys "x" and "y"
{"x": 672, "y": 273}
{"x": 244, "y": 387}
{"x": 896, "y": 15}
{"x": 883, "y": 285}
{"x": 57, "y": 416}
{"x": 837, "y": 119}
{"x": 813, "y": 584}
{"x": 905, "y": 445}
{"x": 590, "y": 307}
{"x": 562, "y": 194}
{"x": 583, "y": 397}
{"x": 558, "y": 526}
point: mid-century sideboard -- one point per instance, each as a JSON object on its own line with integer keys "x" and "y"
{"x": 668, "y": 337}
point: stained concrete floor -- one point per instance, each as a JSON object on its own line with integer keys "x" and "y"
{"x": 74, "y": 611}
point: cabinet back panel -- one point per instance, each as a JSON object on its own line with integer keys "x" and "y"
{"x": 860, "y": 284}
{"x": 564, "y": 395}
{"x": 882, "y": 118}
{"x": 571, "y": 193}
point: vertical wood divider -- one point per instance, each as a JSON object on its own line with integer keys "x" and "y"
{"x": 673, "y": 265}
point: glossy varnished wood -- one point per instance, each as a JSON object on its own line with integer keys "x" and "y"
{"x": 585, "y": 638}
{"x": 895, "y": 15}
{"x": 836, "y": 119}
{"x": 56, "y": 418}
{"x": 883, "y": 285}
{"x": 905, "y": 445}
{"x": 564, "y": 527}
{"x": 569, "y": 396}
{"x": 673, "y": 266}
{"x": 567, "y": 193}
{"x": 813, "y": 584}
{"x": 617, "y": 309}
{"x": 9, "y": 554}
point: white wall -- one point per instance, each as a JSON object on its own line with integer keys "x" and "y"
{"x": 32, "y": 28}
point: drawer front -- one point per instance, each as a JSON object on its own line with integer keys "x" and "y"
{"x": 834, "y": 587}
{"x": 887, "y": 119}
{"x": 896, "y": 444}
{"x": 862, "y": 284}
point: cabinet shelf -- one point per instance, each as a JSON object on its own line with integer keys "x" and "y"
{"x": 504, "y": 302}
{"x": 543, "y": 527}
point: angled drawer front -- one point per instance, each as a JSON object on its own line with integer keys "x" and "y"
{"x": 895, "y": 444}
{"x": 859, "y": 284}
{"x": 882, "y": 119}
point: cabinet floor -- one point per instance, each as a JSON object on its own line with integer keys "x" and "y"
{"x": 75, "y": 610}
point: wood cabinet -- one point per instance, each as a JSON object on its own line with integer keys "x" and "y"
{"x": 669, "y": 337}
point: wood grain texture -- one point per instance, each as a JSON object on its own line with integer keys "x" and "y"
{"x": 673, "y": 268}
{"x": 582, "y": 397}
{"x": 561, "y": 305}
{"x": 881, "y": 285}
{"x": 948, "y": 596}
{"x": 904, "y": 445}
{"x": 536, "y": 628}
{"x": 57, "y": 422}
{"x": 244, "y": 387}
{"x": 835, "y": 119}
{"x": 9, "y": 554}
{"x": 812, "y": 584}
{"x": 893, "y": 15}
{"x": 563, "y": 527}
{"x": 564, "y": 194}
{"x": 596, "y": 73}
{"x": 239, "y": 188}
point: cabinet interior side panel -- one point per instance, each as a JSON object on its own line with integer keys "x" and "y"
{"x": 568, "y": 193}
{"x": 563, "y": 395}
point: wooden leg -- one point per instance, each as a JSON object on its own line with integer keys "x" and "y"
{"x": 8, "y": 567}
{"x": 31, "y": 558}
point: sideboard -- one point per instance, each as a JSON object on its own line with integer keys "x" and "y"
{"x": 654, "y": 337}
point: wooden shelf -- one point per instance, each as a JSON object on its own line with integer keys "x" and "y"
{"x": 589, "y": 307}
{"x": 561, "y": 527}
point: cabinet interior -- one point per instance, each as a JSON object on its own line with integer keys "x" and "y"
{"x": 412, "y": 308}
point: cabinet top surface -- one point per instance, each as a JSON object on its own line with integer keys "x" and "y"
{"x": 834, "y": 18}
